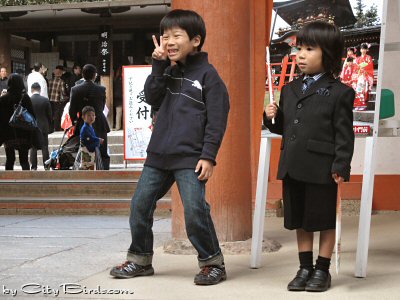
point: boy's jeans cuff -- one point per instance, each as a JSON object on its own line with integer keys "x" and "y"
{"x": 215, "y": 260}
{"x": 142, "y": 260}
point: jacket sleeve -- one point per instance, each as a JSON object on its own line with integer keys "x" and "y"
{"x": 278, "y": 126}
{"x": 73, "y": 106}
{"x": 155, "y": 86}
{"x": 49, "y": 113}
{"x": 344, "y": 134}
{"x": 217, "y": 109}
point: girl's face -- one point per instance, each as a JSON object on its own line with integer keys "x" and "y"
{"x": 350, "y": 53}
{"x": 309, "y": 59}
{"x": 363, "y": 51}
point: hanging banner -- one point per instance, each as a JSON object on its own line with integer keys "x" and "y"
{"x": 137, "y": 118}
{"x": 105, "y": 50}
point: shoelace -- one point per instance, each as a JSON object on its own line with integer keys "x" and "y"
{"x": 210, "y": 271}
{"x": 125, "y": 264}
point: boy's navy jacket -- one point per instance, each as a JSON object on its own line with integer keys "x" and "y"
{"x": 89, "y": 138}
{"x": 317, "y": 130}
{"x": 193, "y": 105}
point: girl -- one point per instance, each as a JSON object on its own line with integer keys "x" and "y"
{"x": 315, "y": 120}
{"x": 365, "y": 78}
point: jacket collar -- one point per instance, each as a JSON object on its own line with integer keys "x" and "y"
{"x": 324, "y": 82}
{"x": 193, "y": 61}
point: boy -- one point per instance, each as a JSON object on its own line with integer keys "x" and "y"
{"x": 89, "y": 141}
{"x": 315, "y": 120}
{"x": 193, "y": 104}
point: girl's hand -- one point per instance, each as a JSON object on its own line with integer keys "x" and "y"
{"x": 270, "y": 110}
{"x": 338, "y": 179}
{"x": 206, "y": 168}
{"x": 160, "y": 51}
{"x": 101, "y": 140}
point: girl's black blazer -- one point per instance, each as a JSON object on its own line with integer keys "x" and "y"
{"x": 317, "y": 130}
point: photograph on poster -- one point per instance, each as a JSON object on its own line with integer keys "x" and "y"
{"x": 360, "y": 24}
{"x": 137, "y": 114}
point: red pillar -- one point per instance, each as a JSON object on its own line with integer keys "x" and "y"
{"x": 229, "y": 42}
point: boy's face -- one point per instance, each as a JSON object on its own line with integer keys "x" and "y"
{"x": 89, "y": 117}
{"x": 309, "y": 59}
{"x": 178, "y": 44}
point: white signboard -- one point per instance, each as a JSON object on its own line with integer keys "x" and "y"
{"x": 137, "y": 119}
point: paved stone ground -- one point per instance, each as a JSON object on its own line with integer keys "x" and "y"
{"x": 55, "y": 250}
{"x": 58, "y": 249}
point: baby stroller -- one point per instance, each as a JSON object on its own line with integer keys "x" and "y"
{"x": 63, "y": 158}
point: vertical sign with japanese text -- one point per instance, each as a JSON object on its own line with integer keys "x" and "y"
{"x": 105, "y": 50}
{"x": 137, "y": 119}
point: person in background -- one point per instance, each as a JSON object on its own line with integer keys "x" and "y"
{"x": 14, "y": 138}
{"x": 42, "y": 108}
{"x": 3, "y": 80}
{"x": 37, "y": 76}
{"x": 58, "y": 97}
{"x": 365, "y": 79}
{"x": 90, "y": 143}
{"x": 90, "y": 94}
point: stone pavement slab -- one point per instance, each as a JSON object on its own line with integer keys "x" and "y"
{"x": 93, "y": 244}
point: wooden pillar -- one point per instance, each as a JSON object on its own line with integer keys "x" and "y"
{"x": 5, "y": 50}
{"x": 228, "y": 43}
{"x": 261, "y": 13}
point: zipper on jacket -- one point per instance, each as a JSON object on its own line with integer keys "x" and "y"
{"x": 173, "y": 107}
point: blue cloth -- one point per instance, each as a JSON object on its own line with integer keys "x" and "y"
{"x": 152, "y": 185}
{"x": 89, "y": 138}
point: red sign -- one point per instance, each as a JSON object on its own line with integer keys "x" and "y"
{"x": 362, "y": 130}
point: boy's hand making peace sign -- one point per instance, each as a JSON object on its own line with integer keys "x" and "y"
{"x": 160, "y": 51}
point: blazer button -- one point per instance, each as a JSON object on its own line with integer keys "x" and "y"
{"x": 293, "y": 137}
{"x": 296, "y": 121}
{"x": 299, "y": 105}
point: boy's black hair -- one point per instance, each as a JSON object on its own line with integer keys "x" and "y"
{"x": 60, "y": 67}
{"x": 36, "y": 87}
{"x": 329, "y": 38}
{"x": 87, "y": 109}
{"x": 188, "y": 20}
{"x": 89, "y": 72}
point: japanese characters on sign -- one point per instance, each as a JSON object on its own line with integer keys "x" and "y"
{"x": 105, "y": 50}
{"x": 137, "y": 119}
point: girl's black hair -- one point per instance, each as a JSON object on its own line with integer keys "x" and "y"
{"x": 16, "y": 84}
{"x": 364, "y": 46}
{"x": 187, "y": 20}
{"x": 329, "y": 38}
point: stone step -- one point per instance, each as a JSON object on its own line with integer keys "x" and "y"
{"x": 116, "y": 159}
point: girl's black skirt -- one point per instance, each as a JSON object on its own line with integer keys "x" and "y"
{"x": 309, "y": 206}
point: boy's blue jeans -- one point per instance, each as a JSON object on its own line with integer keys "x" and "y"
{"x": 153, "y": 185}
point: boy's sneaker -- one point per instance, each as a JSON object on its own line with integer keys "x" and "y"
{"x": 210, "y": 275}
{"x": 129, "y": 269}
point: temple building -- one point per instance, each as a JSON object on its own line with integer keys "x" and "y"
{"x": 297, "y": 13}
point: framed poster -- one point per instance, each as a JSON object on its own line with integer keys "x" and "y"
{"x": 137, "y": 118}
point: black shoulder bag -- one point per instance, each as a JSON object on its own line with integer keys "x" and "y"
{"x": 22, "y": 118}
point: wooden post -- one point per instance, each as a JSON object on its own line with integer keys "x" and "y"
{"x": 5, "y": 50}
{"x": 230, "y": 43}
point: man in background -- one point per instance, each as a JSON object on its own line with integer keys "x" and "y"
{"x": 42, "y": 109}
{"x": 58, "y": 97}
